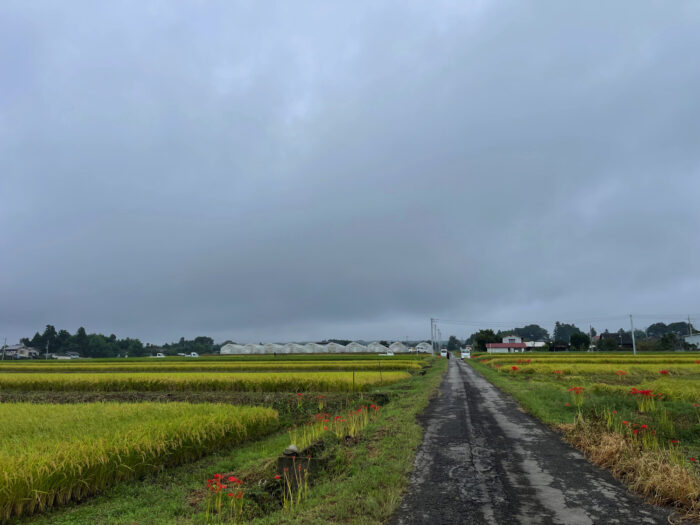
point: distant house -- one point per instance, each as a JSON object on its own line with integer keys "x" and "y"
{"x": 510, "y": 344}
{"x": 692, "y": 339}
{"x": 21, "y": 352}
{"x": 623, "y": 340}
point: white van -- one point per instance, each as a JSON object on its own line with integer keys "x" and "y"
{"x": 193, "y": 354}
{"x": 466, "y": 354}
{"x": 443, "y": 353}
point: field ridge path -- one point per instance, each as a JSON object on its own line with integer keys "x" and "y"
{"x": 483, "y": 460}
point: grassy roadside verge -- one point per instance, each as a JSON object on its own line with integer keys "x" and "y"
{"x": 365, "y": 485}
{"x": 374, "y": 473}
{"x": 638, "y": 446}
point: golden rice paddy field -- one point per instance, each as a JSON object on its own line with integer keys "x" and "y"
{"x": 200, "y": 381}
{"x": 53, "y": 454}
{"x": 193, "y": 365}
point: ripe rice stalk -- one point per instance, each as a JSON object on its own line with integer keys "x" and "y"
{"x": 53, "y": 454}
{"x": 199, "y": 381}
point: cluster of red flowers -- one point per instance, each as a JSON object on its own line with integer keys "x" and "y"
{"x": 557, "y": 372}
{"x": 663, "y": 372}
{"x": 636, "y": 427}
{"x": 644, "y": 393}
{"x": 216, "y": 484}
{"x": 514, "y": 368}
{"x": 523, "y": 360}
{"x": 576, "y": 389}
{"x": 621, "y": 373}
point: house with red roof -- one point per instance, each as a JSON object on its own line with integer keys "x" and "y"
{"x": 510, "y": 344}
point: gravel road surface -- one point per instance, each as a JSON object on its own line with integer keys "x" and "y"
{"x": 483, "y": 460}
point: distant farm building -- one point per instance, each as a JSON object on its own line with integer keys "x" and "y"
{"x": 510, "y": 344}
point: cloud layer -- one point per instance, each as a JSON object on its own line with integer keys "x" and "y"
{"x": 307, "y": 170}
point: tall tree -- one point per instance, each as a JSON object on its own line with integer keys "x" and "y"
{"x": 453, "y": 344}
{"x": 482, "y": 338}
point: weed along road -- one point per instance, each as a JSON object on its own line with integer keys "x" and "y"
{"x": 483, "y": 460}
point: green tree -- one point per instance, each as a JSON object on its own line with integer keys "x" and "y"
{"x": 532, "y": 332}
{"x": 563, "y": 332}
{"x": 481, "y": 338}
{"x": 453, "y": 344}
{"x": 579, "y": 341}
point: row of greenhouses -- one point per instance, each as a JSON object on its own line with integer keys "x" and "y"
{"x": 315, "y": 348}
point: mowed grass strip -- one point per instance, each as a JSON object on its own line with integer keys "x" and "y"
{"x": 54, "y": 454}
{"x": 200, "y": 381}
{"x": 208, "y": 366}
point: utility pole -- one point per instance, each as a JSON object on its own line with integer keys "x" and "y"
{"x": 634, "y": 343}
{"x": 690, "y": 330}
{"x": 432, "y": 335}
{"x": 47, "y": 350}
{"x": 4, "y": 345}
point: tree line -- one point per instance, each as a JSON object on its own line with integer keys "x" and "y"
{"x": 657, "y": 337}
{"x": 99, "y": 345}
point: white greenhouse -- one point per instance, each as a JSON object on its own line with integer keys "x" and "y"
{"x": 355, "y": 348}
{"x": 314, "y": 348}
{"x": 335, "y": 348}
{"x": 398, "y": 348}
{"x": 377, "y": 347}
{"x": 272, "y": 348}
{"x": 231, "y": 349}
{"x": 424, "y": 347}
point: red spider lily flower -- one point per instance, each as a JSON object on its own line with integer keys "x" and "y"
{"x": 308, "y": 457}
{"x": 239, "y": 495}
{"x": 319, "y": 397}
{"x": 644, "y": 426}
{"x": 498, "y": 366}
{"x": 325, "y": 428}
{"x": 218, "y": 476}
{"x": 239, "y": 482}
{"x": 557, "y": 372}
{"x": 232, "y": 478}
{"x": 514, "y": 368}
{"x": 635, "y": 431}
{"x": 230, "y": 494}
{"x": 299, "y": 394}
{"x": 286, "y": 469}
{"x": 278, "y": 476}
{"x": 693, "y": 460}
{"x": 299, "y": 469}
{"x": 625, "y": 423}
{"x": 674, "y": 441}
{"x": 326, "y": 420}
{"x": 663, "y": 372}
{"x": 223, "y": 486}
{"x": 371, "y": 406}
{"x": 567, "y": 404}
{"x": 621, "y": 373}
{"x": 614, "y": 411}
{"x": 576, "y": 389}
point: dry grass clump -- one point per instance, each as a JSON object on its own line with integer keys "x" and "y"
{"x": 652, "y": 473}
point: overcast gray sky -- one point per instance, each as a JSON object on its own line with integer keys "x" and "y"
{"x": 301, "y": 170}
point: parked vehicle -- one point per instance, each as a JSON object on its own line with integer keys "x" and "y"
{"x": 159, "y": 354}
{"x": 193, "y": 354}
{"x": 466, "y": 354}
{"x": 443, "y": 353}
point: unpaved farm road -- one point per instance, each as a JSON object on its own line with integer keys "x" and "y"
{"x": 485, "y": 461}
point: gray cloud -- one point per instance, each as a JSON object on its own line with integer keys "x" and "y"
{"x": 302, "y": 171}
